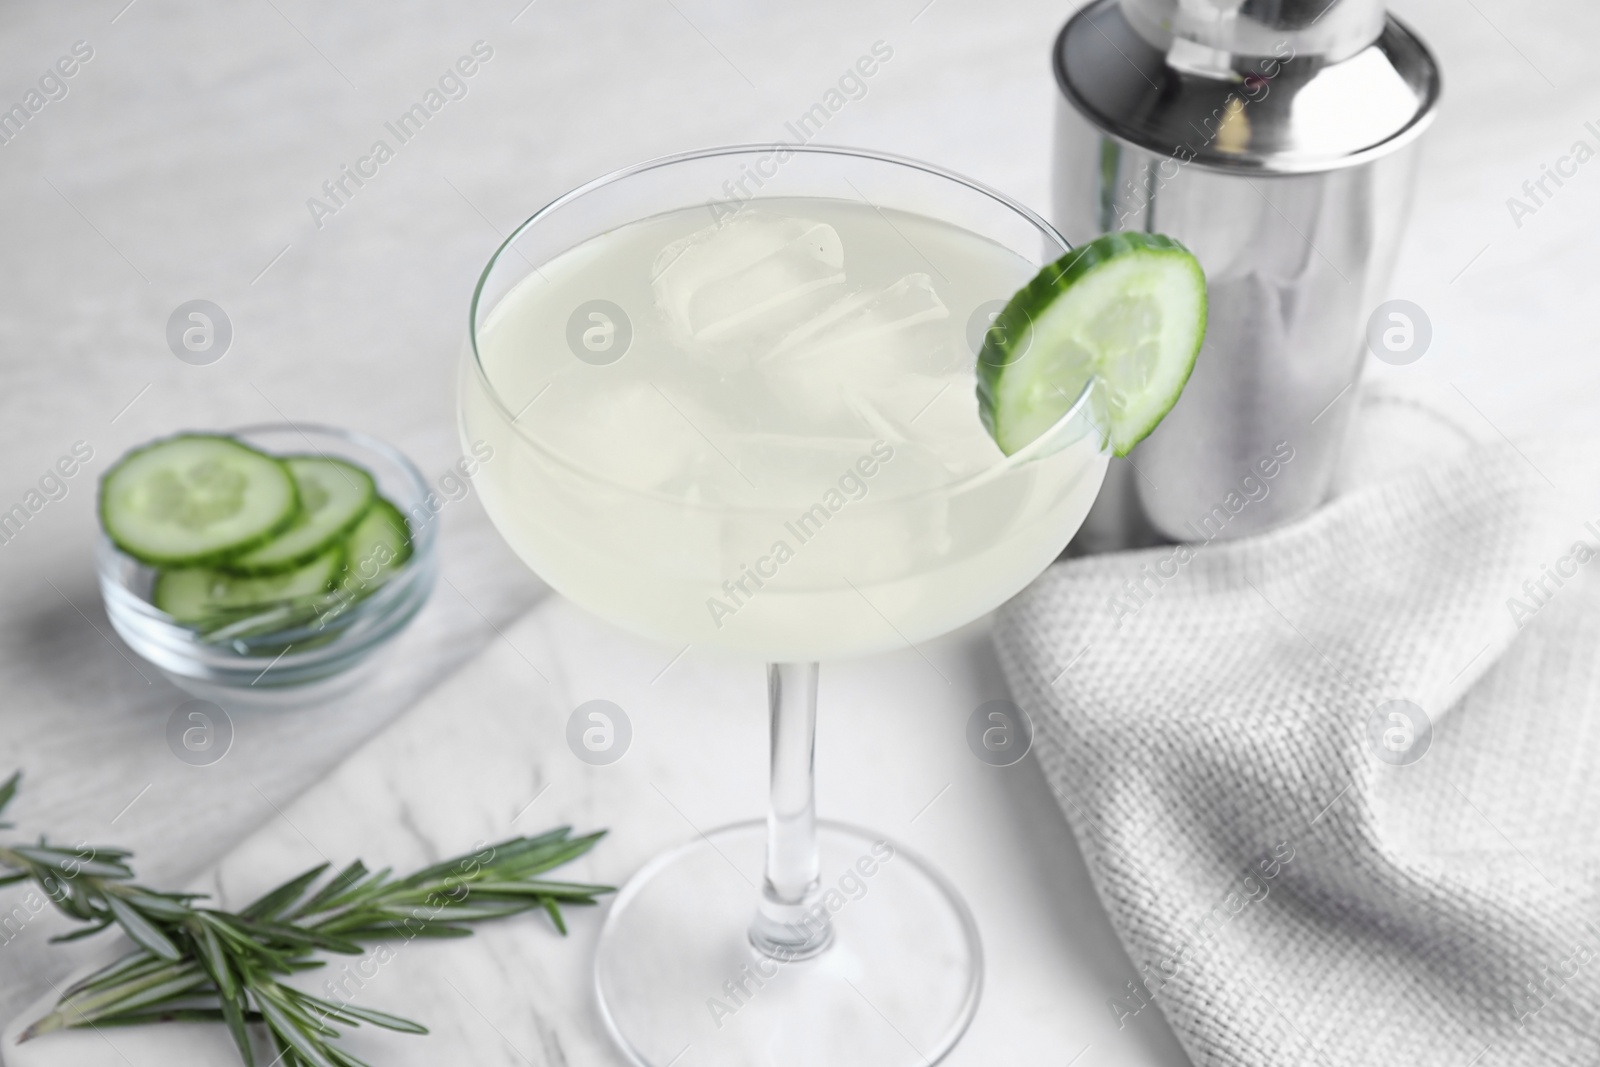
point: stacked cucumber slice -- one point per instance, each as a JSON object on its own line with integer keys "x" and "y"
{"x": 234, "y": 532}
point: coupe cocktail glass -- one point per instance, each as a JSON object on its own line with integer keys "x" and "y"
{"x": 731, "y": 398}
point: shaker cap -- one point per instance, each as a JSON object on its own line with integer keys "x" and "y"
{"x": 1258, "y": 86}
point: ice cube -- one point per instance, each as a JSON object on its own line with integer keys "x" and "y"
{"x": 827, "y": 481}
{"x": 889, "y": 315}
{"x": 633, "y": 435}
{"x": 938, "y": 416}
{"x": 870, "y": 343}
{"x": 807, "y": 463}
{"x": 750, "y": 276}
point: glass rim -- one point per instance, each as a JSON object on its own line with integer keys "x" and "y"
{"x": 1079, "y": 408}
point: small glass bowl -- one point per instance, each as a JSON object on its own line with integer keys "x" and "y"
{"x": 307, "y": 661}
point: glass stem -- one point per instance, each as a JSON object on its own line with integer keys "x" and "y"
{"x": 791, "y": 924}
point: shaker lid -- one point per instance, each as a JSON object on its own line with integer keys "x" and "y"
{"x": 1268, "y": 105}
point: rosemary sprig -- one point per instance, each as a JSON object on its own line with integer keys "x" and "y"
{"x": 198, "y": 963}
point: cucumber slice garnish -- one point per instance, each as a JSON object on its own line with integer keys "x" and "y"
{"x": 334, "y": 495}
{"x": 1127, "y": 310}
{"x": 195, "y": 498}
{"x": 376, "y": 548}
{"x": 196, "y": 594}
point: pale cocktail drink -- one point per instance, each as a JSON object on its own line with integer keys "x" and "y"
{"x": 761, "y": 425}
{"x": 756, "y": 429}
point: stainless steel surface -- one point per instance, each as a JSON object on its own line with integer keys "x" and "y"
{"x": 1272, "y": 105}
{"x": 1333, "y": 29}
{"x": 1290, "y": 180}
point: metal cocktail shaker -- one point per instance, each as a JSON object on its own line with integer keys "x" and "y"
{"x": 1276, "y": 139}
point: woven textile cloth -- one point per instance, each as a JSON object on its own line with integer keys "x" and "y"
{"x": 1339, "y": 785}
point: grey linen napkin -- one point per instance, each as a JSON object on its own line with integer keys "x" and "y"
{"x": 1337, "y": 785}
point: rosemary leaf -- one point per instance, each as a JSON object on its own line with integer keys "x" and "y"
{"x": 194, "y": 963}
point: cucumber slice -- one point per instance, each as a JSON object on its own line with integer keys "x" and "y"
{"x": 1127, "y": 310}
{"x": 376, "y": 548}
{"x": 195, "y": 498}
{"x": 194, "y": 594}
{"x": 334, "y": 495}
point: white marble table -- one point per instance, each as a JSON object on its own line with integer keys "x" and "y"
{"x": 485, "y": 756}
{"x": 179, "y": 164}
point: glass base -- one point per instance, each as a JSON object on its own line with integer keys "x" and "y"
{"x": 680, "y": 983}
